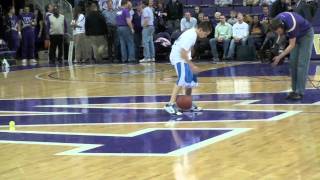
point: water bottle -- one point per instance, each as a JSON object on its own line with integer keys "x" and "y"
{"x": 12, "y": 126}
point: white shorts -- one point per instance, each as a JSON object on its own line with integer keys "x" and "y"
{"x": 186, "y": 78}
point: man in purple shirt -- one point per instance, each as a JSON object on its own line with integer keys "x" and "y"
{"x": 27, "y": 22}
{"x": 300, "y": 33}
{"x": 125, "y": 33}
{"x": 12, "y": 30}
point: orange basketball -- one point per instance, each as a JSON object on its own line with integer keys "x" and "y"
{"x": 184, "y": 102}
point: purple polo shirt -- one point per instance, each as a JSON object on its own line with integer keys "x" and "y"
{"x": 295, "y": 25}
{"x": 122, "y": 16}
{"x": 263, "y": 17}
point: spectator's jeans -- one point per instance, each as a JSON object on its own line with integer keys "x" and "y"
{"x": 148, "y": 45}
{"x": 299, "y": 62}
{"x": 213, "y": 45}
{"x": 173, "y": 24}
{"x": 233, "y": 46}
{"x": 99, "y": 46}
{"x": 126, "y": 41}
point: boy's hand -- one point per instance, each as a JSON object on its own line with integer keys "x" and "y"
{"x": 195, "y": 69}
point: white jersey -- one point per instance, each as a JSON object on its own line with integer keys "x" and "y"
{"x": 186, "y": 41}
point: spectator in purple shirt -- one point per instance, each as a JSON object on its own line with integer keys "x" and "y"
{"x": 125, "y": 32}
{"x": 27, "y": 21}
{"x": 300, "y": 33}
{"x": 12, "y": 30}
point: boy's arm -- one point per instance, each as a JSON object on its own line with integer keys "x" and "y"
{"x": 185, "y": 56}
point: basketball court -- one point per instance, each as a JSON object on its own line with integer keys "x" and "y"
{"x": 107, "y": 122}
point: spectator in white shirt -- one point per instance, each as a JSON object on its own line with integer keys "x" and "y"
{"x": 188, "y": 22}
{"x": 80, "y": 43}
{"x": 240, "y": 32}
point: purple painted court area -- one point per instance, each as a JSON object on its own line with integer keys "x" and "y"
{"x": 254, "y": 70}
{"x": 154, "y": 142}
{"x": 123, "y": 115}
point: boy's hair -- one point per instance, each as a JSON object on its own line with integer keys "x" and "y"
{"x": 205, "y": 26}
{"x": 275, "y": 24}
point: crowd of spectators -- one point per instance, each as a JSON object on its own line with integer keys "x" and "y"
{"x": 137, "y": 31}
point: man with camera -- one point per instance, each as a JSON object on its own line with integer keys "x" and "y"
{"x": 300, "y": 33}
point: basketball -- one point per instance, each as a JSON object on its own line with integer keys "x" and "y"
{"x": 184, "y": 102}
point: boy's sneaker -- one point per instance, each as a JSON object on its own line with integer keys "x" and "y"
{"x": 24, "y": 62}
{"x": 172, "y": 109}
{"x": 144, "y": 60}
{"x": 195, "y": 108}
{"x": 153, "y": 60}
{"x": 33, "y": 61}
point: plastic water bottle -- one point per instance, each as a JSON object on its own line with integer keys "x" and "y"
{"x": 5, "y": 64}
{"x": 12, "y": 126}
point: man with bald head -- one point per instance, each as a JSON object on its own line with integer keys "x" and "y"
{"x": 188, "y": 22}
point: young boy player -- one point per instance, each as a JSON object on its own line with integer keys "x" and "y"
{"x": 180, "y": 58}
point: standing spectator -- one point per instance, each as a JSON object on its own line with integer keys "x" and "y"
{"x": 223, "y": 33}
{"x": 79, "y": 36}
{"x": 12, "y": 30}
{"x": 56, "y": 28}
{"x": 279, "y": 6}
{"x": 27, "y": 21}
{"x": 49, "y": 10}
{"x": 39, "y": 29}
{"x": 96, "y": 29}
{"x": 125, "y": 33}
{"x": 110, "y": 16}
{"x": 197, "y": 11}
{"x": 147, "y": 21}
{"x": 175, "y": 12}
{"x": 188, "y": 22}
{"x": 2, "y": 28}
{"x": 222, "y": 3}
{"x": 240, "y": 32}
{"x": 306, "y": 8}
{"x": 233, "y": 18}
{"x": 161, "y": 16}
{"x": 257, "y": 33}
{"x": 136, "y": 21}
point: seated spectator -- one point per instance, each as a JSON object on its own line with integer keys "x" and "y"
{"x": 188, "y": 22}
{"x": 216, "y": 19}
{"x": 222, "y": 3}
{"x": 248, "y": 19}
{"x": 256, "y": 33}
{"x": 223, "y": 33}
{"x": 233, "y": 18}
{"x": 197, "y": 11}
{"x": 265, "y": 17}
{"x": 240, "y": 32}
{"x": 266, "y": 2}
{"x": 201, "y": 18}
{"x": 251, "y": 2}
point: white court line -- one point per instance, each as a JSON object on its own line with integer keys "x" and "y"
{"x": 79, "y": 148}
{"x": 33, "y": 113}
